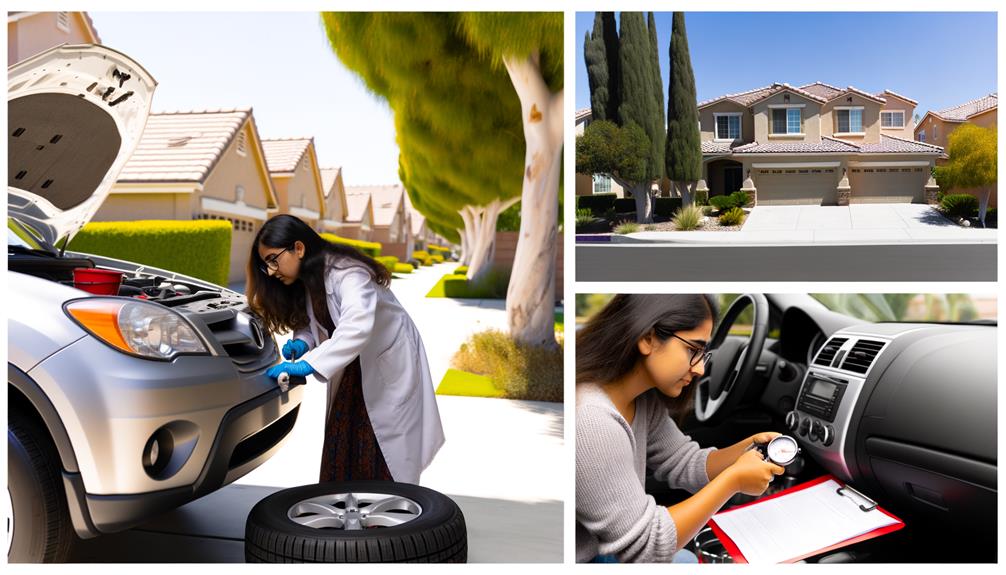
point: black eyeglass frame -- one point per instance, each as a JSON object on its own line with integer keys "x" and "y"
{"x": 272, "y": 261}
{"x": 699, "y": 352}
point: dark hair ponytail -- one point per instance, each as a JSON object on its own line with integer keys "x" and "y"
{"x": 283, "y": 307}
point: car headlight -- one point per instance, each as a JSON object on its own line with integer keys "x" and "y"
{"x": 137, "y": 327}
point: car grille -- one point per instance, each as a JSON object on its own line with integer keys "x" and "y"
{"x": 242, "y": 336}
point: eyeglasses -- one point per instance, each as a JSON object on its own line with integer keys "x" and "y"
{"x": 698, "y": 352}
{"x": 272, "y": 261}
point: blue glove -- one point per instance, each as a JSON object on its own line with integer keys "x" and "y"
{"x": 298, "y": 368}
{"x": 294, "y": 348}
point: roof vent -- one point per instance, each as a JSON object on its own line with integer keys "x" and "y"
{"x": 827, "y": 353}
{"x": 861, "y": 355}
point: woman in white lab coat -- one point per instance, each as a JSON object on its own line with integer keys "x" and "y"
{"x": 349, "y": 330}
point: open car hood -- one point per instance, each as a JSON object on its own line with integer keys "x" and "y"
{"x": 74, "y": 116}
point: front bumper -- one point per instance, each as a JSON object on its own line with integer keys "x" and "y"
{"x": 111, "y": 405}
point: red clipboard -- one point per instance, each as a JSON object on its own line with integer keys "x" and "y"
{"x": 738, "y": 557}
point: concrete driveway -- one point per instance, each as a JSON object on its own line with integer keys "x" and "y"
{"x": 853, "y": 218}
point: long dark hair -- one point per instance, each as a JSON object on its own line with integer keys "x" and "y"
{"x": 607, "y": 346}
{"x": 283, "y": 307}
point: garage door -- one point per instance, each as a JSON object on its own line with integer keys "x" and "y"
{"x": 887, "y": 185}
{"x": 242, "y": 237}
{"x": 798, "y": 186}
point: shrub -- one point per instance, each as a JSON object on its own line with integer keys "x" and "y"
{"x": 701, "y": 197}
{"x": 388, "y": 261}
{"x": 437, "y": 258}
{"x": 687, "y": 218}
{"x": 522, "y": 372}
{"x": 584, "y": 216}
{"x": 444, "y": 250}
{"x": 200, "y": 248}
{"x": 665, "y": 207}
{"x": 492, "y": 285}
{"x": 597, "y": 203}
{"x": 721, "y": 203}
{"x": 740, "y": 199}
{"x": 625, "y": 205}
{"x": 461, "y": 270}
{"x": 627, "y": 228}
{"x": 403, "y": 268}
{"x": 422, "y": 257}
{"x": 708, "y": 210}
{"x": 372, "y": 249}
{"x": 959, "y": 205}
{"x": 732, "y": 217}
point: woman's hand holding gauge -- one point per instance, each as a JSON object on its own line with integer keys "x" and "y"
{"x": 294, "y": 348}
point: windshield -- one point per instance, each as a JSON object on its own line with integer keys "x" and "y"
{"x": 18, "y": 235}
{"x": 912, "y": 307}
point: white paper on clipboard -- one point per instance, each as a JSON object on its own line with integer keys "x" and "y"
{"x": 798, "y": 523}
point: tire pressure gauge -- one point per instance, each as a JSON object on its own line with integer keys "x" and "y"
{"x": 782, "y": 450}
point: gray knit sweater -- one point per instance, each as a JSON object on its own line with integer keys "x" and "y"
{"x": 614, "y": 515}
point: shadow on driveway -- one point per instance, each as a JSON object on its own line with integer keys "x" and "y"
{"x": 211, "y": 530}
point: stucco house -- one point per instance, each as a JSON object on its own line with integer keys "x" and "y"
{"x": 391, "y": 219}
{"x": 30, "y": 33}
{"x": 815, "y": 144}
{"x": 421, "y": 234}
{"x": 935, "y": 127}
{"x": 359, "y": 222}
{"x": 589, "y": 184}
{"x": 293, "y": 167}
{"x": 192, "y": 165}
{"x": 336, "y": 208}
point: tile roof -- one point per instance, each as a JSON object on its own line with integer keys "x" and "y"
{"x": 583, "y": 114}
{"x": 709, "y": 147}
{"x": 283, "y": 154}
{"x": 899, "y": 96}
{"x": 826, "y": 91}
{"x": 966, "y": 110}
{"x": 328, "y": 178}
{"x": 386, "y": 200}
{"x": 356, "y": 206}
{"x": 893, "y": 144}
{"x": 742, "y": 98}
{"x": 182, "y": 146}
{"x": 826, "y": 145}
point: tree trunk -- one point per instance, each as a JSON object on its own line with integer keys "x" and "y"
{"x": 484, "y": 243}
{"x": 983, "y": 204}
{"x": 530, "y": 301}
{"x": 644, "y": 203}
{"x": 467, "y": 235}
{"x": 686, "y": 191}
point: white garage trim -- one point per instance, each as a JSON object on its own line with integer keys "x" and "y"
{"x": 235, "y": 208}
{"x": 796, "y": 165}
{"x": 304, "y": 213}
{"x": 915, "y": 164}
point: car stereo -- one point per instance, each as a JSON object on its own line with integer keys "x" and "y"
{"x": 821, "y": 395}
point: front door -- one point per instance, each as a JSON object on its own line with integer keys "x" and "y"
{"x": 732, "y": 178}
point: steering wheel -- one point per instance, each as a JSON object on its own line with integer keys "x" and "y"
{"x": 731, "y": 366}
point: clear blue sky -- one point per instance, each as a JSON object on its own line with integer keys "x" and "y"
{"x": 939, "y": 59}
{"x": 278, "y": 63}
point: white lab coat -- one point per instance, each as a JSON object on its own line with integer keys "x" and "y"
{"x": 397, "y": 387}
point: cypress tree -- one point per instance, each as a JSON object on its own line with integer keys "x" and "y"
{"x": 660, "y": 121}
{"x": 600, "y": 52}
{"x": 684, "y": 148}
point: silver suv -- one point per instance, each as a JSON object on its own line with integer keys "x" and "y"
{"x": 119, "y": 407}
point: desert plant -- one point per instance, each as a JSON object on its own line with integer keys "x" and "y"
{"x": 627, "y": 228}
{"x": 708, "y": 210}
{"x": 721, "y": 203}
{"x": 522, "y": 371}
{"x": 959, "y": 205}
{"x": 740, "y": 199}
{"x": 584, "y": 216}
{"x": 732, "y": 217}
{"x": 701, "y": 197}
{"x": 687, "y": 218}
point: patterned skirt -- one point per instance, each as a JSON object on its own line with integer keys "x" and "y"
{"x": 351, "y": 450}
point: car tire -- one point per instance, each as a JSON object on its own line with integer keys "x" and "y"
{"x": 329, "y": 523}
{"x": 40, "y": 518}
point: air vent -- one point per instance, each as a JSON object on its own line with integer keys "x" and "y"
{"x": 861, "y": 356}
{"x": 827, "y": 353}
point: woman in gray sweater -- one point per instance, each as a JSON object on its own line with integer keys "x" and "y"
{"x": 635, "y": 360}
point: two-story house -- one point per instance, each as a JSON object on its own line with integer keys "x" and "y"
{"x": 815, "y": 144}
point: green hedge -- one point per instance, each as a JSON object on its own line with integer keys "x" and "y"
{"x": 598, "y": 204}
{"x": 443, "y": 250}
{"x": 388, "y": 261}
{"x": 437, "y": 258}
{"x": 372, "y": 249}
{"x": 403, "y": 268}
{"x": 200, "y": 249}
{"x": 461, "y": 270}
{"x": 666, "y": 206}
{"x": 492, "y": 285}
{"x": 423, "y": 257}
{"x": 625, "y": 205}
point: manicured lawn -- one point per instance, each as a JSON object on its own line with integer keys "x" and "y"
{"x": 458, "y": 382}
